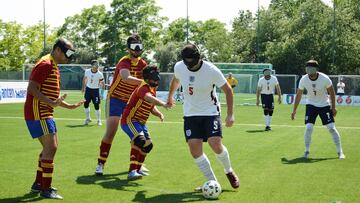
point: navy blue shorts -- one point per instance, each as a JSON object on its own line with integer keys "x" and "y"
{"x": 92, "y": 95}
{"x": 325, "y": 114}
{"x": 202, "y": 127}
{"x": 267, "y": 101}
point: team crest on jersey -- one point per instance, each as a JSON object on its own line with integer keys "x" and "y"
{"x": 313, "y": 85}
{"x": 192, "y": 78}
{"x": 188, "y": 132}
{"x": 267, "y": 83}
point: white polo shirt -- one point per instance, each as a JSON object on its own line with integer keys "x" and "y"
{"x": 93, "y": 79}
{"x": 316, "y": 89}
{"x": 267, "y": 86}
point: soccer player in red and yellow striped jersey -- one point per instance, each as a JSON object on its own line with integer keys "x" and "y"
{"x": 127, "y": 77}
{"x": 133, "y": 121}
{"x": 43, "y": 95}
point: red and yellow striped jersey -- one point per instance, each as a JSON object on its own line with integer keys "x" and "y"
{"x": 137, "y": 109}
{"x": 46, "y": 74}
{"x": 120, "y": 89}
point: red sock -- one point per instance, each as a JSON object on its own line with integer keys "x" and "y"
{"x": 104, "y": 152}
{"x": 133, "y": 159}
{"x": 140, "y": 159}
{"x": 48, "y": 168}
{"x": 39, "y": 171}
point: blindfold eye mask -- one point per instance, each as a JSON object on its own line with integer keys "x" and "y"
{"x": 69, "y": 53}
{"x": 136, "y": 46}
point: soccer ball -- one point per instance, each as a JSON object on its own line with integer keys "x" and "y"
{"x": 211, "y": 189}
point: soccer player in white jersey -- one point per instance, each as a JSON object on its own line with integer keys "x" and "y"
{"x": 318, "y": 85}
{"x": 93, "y": 80}
{"x": 266, "y": 87}
{"x": 202, "y": 122}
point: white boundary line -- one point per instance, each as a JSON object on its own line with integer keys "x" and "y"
{"x": 178, "y": 122}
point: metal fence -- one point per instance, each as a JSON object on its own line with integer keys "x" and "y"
{"x": 72, "y": 75}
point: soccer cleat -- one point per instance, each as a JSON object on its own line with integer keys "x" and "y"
{"x": 341, "y": 155}
{"x": 306, "y": 154}
{"x": 143, "y": 168}
{"x": 134, "y": 175}
{"x": 233, "y": 179}
{"x": 50, "y": 194}
{"x": 99, "y": 123}
{"x": 99, "y": 169}
{"x": 87, "y": 121}
{"x": 267, "y": 128}
{"x": 143, "y": 173}
{"x": 36, "y": 187}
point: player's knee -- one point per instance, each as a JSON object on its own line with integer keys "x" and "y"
{"x": 271, "y": 113}
{"x": 96, "y": 106}
{"x": 86, "y": 104}
{"x": 331, "y": 127}
{"x": 266, "y": 112}
{"x": 309, "y": 126}
{"x": 140, "y": 141}
{"x": 147, "y": 148}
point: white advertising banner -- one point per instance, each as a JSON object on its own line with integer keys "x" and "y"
{"x": 13, "y": 92}
{"x": 341, "y": 100}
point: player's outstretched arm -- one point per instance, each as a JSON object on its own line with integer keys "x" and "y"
{"x": 149, "y": 98}
{"x": 66, "y": 105}
{"x": 296, "y": 103}
{"x": 230, "y": 105}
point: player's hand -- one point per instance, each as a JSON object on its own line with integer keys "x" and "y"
{"x": 257, "y": 102}
{"x": 229, "y": 120}
{"x": 161, "y": 117}
{"x": 334, "y": 111}
{"x": 293, "y": 115}
{"x": 170, "y": 102}
{"x": 167, "y": 106}
{"x": 279, "y": 100}
{"x": 58, "y": 101}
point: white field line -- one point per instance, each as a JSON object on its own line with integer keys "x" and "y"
{"x": 178, "y": 122}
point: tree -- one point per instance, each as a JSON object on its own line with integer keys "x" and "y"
{"x": 84, "y": 30}
{"x": 128, "y": 17}
{"x": 11, "y": 46}
{"x": 167, "y": 55}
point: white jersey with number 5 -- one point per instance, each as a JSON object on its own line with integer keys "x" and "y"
{"x": 316, "y": 89}
{"x": 93, "y": 79}
{"x": 200, "y": 97}
{"x": 267, "y": 86}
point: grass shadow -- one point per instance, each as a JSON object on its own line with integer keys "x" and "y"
{"x": 255, "y": 131}
{"x": 79, "y": 126}
{"x": 29, "y": 197}
{"x": 172, "y": 197}
{"x": 108, "y": 181}
{"x": 302, "y": 160}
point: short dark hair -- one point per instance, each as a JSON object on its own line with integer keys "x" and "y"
{"x": 133, "y": 38}
{"x": 62, "y": 43}
{"x": 94, "y": 62}
{"x": 312, "y": 63}
{"x": 190, "y": 51}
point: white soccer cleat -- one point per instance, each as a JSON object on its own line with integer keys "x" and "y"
{"x": 99, "y": 123}
{"x": 306, "y": 155}
{"x": 87, "y": 121}
{"x": 143, "y": 168}
{"x": 99, "y": 169}
{"x": 341, "y": 155}
{"x": 134, "y": 175}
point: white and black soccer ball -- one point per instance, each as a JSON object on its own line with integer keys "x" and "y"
{"x": 211, "y": 189}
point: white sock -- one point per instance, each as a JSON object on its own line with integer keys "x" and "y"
{"x": 98, "y": 114}
{"x": 266, "y": 120}
{"x": 307, "y": 135}
{"x": 204, "y": 165}
{"x": 224, "y": 159}
{"x": 87, "y": 113}
{"x": 335, "y": 136}
{"x": 269, "y": 120}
